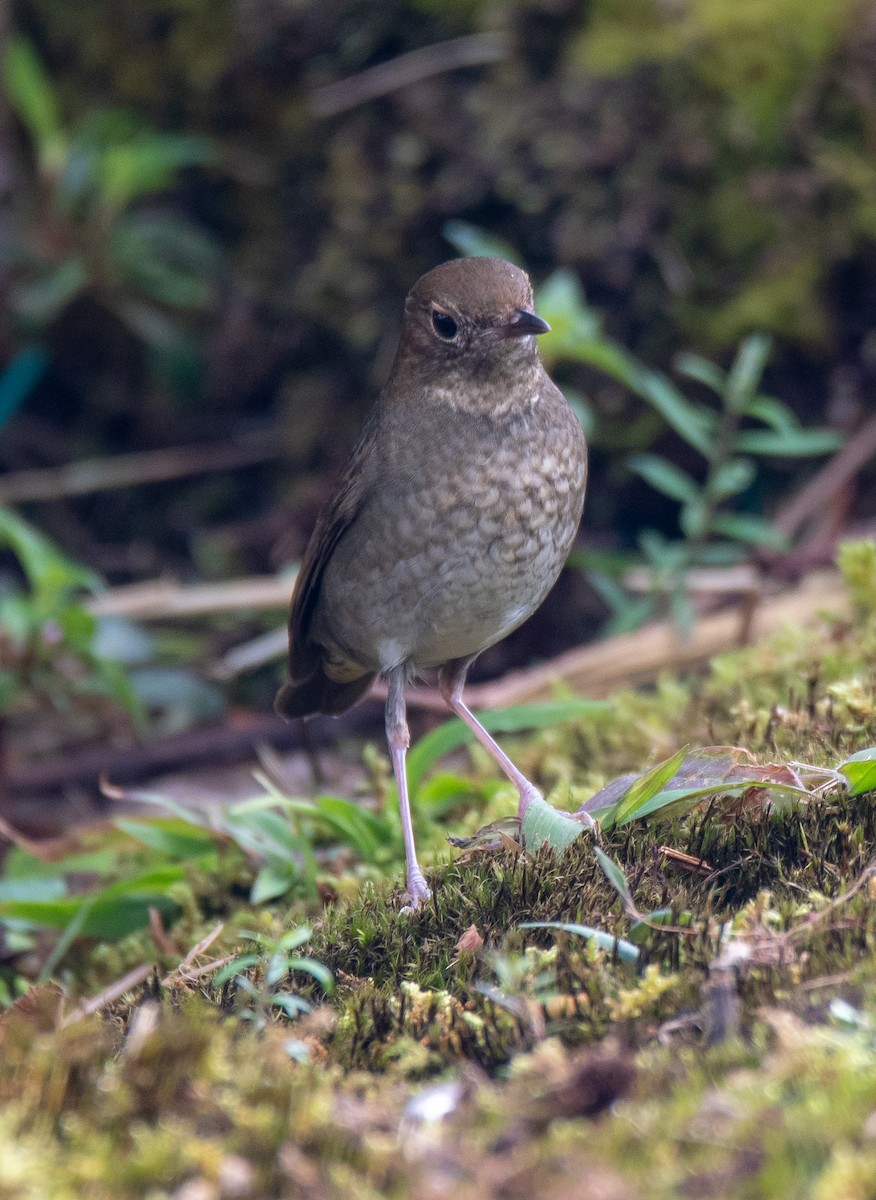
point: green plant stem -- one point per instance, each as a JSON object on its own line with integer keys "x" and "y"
{"x": 725, "y": 440}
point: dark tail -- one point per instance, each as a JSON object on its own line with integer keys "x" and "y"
{"x": 319, "y": 694}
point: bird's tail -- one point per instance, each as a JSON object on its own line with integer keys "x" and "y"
{"x": 319, "y": 694}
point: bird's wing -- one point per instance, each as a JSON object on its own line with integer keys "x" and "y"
{"x": 338, "y": 515}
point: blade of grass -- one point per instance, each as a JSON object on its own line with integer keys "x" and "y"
{"x": 625, "y": 951}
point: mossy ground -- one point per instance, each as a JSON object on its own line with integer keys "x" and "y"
{"x": 735, "y": 1058}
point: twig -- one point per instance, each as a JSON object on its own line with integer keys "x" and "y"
{"x": 742, "y": 579}
{"x": 158, "y": 933}
{"x": 825, "y": 483}
{"x": 200, "y": 947}
{"x": 162, "y": 598}
{"x": 109, "y": 994}
{"x": 593, "y": 670}
{"x": 632, "y": 659}
{"x": 140, "y": 974}
{"x": 128, "y": 470}
{"x": 126, "y": 765}
{"x": 196, "y": 973}
{"x": 475, "y": 50}
{"x": 248, "y": 655}
{"x": 185, "y": 969}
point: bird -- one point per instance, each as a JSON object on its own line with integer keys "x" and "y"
{"x": 451, "y": 521}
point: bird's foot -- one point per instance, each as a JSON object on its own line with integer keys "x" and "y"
{"x": 418, "y": 890}
{"x": 530, "y": 793}
{"x": 527, "y": 795}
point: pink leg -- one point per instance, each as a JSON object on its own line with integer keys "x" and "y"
{"x": 399, "y": 739}
{"x": 451, "y": 680}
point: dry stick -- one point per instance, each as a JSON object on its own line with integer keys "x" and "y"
{"x": 109, "y": 994}
{"x": 594, "y": 670}
{"x": 631, "y": 659}
{"x": 200, "y": 947}
{"x": 265, "y": 648}
{"x": 475, "y": 50}
{"x": 826, "y": 482}
{"x": 140, "y": 974}
{"x": 160, "y": 598}
{"x": 123, "y": 765}
{"x": 125, "y": 470}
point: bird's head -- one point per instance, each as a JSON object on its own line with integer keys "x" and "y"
{"x": 470, "y": 320}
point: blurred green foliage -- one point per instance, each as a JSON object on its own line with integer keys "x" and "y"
{"x": 85, "y": 225}
{"x": 47, "y": 637}
{"x": 704, "y": 171}
{"x": 708, "y": 162}
{"x": 56, "y": 656}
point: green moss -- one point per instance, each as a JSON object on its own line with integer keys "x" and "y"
{"x": 169, "y": 1086}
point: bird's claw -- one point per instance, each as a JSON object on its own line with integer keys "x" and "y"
{"x": 527, "y": 795}
{"x": 418, "y": 890}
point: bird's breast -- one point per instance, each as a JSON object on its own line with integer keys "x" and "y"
{"x": 458, "y": 547}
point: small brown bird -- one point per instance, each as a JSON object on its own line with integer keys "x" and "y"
{"x": 452, "y": 519}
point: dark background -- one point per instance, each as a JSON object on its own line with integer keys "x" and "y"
{"x": 705, "y": 172}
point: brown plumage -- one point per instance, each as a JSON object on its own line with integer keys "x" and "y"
{"x": 452, "y": 519}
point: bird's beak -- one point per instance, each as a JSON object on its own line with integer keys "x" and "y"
{"x": 523, "y": 323}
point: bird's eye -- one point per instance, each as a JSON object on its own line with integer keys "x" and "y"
{"x": 444, "y": 326}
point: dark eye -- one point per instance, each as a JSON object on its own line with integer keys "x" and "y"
{"x": 445, "y": 326}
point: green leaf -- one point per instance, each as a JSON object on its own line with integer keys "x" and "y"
{"x": 294, "y": 938}
{"x": 292, "y": 1006}
{"x": 169, "y": 836}
{"x": 747, "y": 528}
{"x": 77, "y": 627}
{"x": 734, "y": 477}
{"x": 615, "y": 876}
{"x": 643, "y": 788}
{"x": 455, "y": 733}
{"x": 317, "y": 970}
{"x": 675, "y": 801}
{"x": 706, "y": 772}
{"x": 597, "y": 351}
{"x": 625, "y": 951}
{"x": 628, "y": 612}
{"x": 273, "y": 880}
{"x": 773, "y": 413}
{"x": 544, "y": 823}
{"x": 745, "y": 373}
{"x": 39, "y": 302}
{"x": 36, "y": 888}
{"x": 361, "y": 830}
{"x": 113, "y": 911}
{"x": 19, "y": 378}
{"x": 665, "y": 477}
{"x": 692, "y": 423}
{"x": 860, "y": 770}
{"x": 32, "y": 95}
{"x": 51, "y": 575}
{"x": 701, "y": 370}
{"x": 147, "y": 163}
{"x": 661, "y": 554}
{"x": 228, "y": 972}
{"x": 574, "y": 325}
{"x": 167, "y": 259}
{"x": 65, "y": 941}
{"x": 265, "y": 833}
{"x": 798, "y": 443}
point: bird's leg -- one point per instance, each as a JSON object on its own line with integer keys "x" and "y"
{"x": 399, "y": 739}
{"x": 451, "y": 680}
